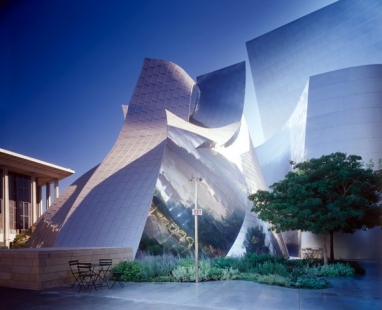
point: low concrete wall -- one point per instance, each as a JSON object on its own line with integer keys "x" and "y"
{"x": 38, "y": 269}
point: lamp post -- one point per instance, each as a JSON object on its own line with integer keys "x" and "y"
{"x": 196, "y": 212}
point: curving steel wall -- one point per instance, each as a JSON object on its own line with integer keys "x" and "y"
{"x": 318, "y": 87}
{"x": 344, "y": 34}
{"x": 173, "y": 128}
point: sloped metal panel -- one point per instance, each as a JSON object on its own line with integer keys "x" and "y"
{"x": 344, "y": 34}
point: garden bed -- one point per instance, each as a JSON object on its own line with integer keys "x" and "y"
{"x": 262, "y": 268}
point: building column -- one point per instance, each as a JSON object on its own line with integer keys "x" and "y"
{"x": 39, "y": 201}
{"x": 47, "y": 196}
{"x": 56, "y": 189}
{"x": 34, "y": 198}
{"x": 6, "y": 206}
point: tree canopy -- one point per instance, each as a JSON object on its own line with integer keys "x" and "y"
{"x": 332, "y": 193}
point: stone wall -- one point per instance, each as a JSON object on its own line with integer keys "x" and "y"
{"x": 38, "y": 269}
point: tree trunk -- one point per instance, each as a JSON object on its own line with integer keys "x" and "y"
{"x": 324, "y": 249}
{"x": 331, "y": 246}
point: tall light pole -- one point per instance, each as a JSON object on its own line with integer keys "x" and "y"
{"x": 196, "y": 212}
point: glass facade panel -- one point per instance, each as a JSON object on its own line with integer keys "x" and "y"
{"x": 12, "y": 216}
{"x": 19, "y": 201}
{"x": 25, "y": 215}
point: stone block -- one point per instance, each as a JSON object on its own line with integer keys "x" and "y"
{"x": 58, "y": 261}
{"x": 5, "y": 268}
{"x": 24, "y": 277}
{"x": 4, "y": 276}
{"x": 21, "y": 269}
{"x": 55, "y": 268}
{"x": 6, "y": 260}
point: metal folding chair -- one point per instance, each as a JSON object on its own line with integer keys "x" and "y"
{"x": 73, "y": 268}
{"x": 117, "y": 277}
{"x": 104, "y": 264}
{"x": 86, "y": 276}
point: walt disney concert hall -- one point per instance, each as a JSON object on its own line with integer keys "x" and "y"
{"x": 318, "y": 83}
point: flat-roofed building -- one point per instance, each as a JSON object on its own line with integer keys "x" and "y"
{"x": 22, "y": 179}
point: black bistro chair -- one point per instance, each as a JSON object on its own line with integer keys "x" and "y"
{"x": 102, "y": 275}
{"x": 86, "y": 276}
{"x": 73, "y": 268}
{"x": 117, "y": 277}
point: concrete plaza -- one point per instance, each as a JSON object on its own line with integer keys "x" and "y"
{"x": 358, "y": 292}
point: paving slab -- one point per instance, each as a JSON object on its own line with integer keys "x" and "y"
{"x": 358, "y": 292}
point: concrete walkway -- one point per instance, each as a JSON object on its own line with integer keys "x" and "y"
{"x": 359, "y": 292}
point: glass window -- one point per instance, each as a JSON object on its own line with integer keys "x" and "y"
{"x": 12, "y": 216}
{"x": 25, "y": 215}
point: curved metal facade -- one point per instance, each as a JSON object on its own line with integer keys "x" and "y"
{"x": 173, "y": 128}
{"x": 344, "y": 34}
{"x": 345, "y": 113}
{"x": 318, "y": 87}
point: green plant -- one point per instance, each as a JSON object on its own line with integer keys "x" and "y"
{"x": 163, "y": 279}
{"x": 323, "y": 195}
{"x": 358, "y": 270}
{"x": 155, "y": 266}
{"x": 204, "y": 270}
{"x": 272, "y": 268}
{"x": 216, "y": 273}
{"x": 263, "y": 268}
{"x": 230, "y": 274}
{"x": 184, "y": 274}
{"x": 333, "y": 270}
{"x": 131, "y": 271}
{"x": 252, "y": 260}
{"x": 226, "y": 262}
{"x": 311, "y": 282}
{"x": 274, "y": 279}
{"x": 249, "y": 276}
{"x": 186, "y": 262}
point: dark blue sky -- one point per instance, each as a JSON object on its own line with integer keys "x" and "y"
{"x": 67, "y": 66}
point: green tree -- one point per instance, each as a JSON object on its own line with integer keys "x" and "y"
{"x": 332, "y": 193}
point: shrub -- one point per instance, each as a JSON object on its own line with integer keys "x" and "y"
{"x": 185, "y": 262}
{"x": 272, "y": 268}
{"x": 131, "y": 271}
{"x": 204, "y": 270}
{"x": 296, "y": 268}
{"x": 333, "y": 270}
{"x": 155, "y": 266}
{"x": 230, "y": 274}
{"x": 262, "y": 268}
{"x": 184, "y": 274}
{"x": 216, "y": 273}
{"x": 253, "y": 260}
{"x": 311, "y": 282}
{"x": 185, "y": 271}
{"x": 358, "y": 270}
{"x": 274, "y": 279}
{"x": 226, "y": 262}
{"x": 249, "y": 276}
